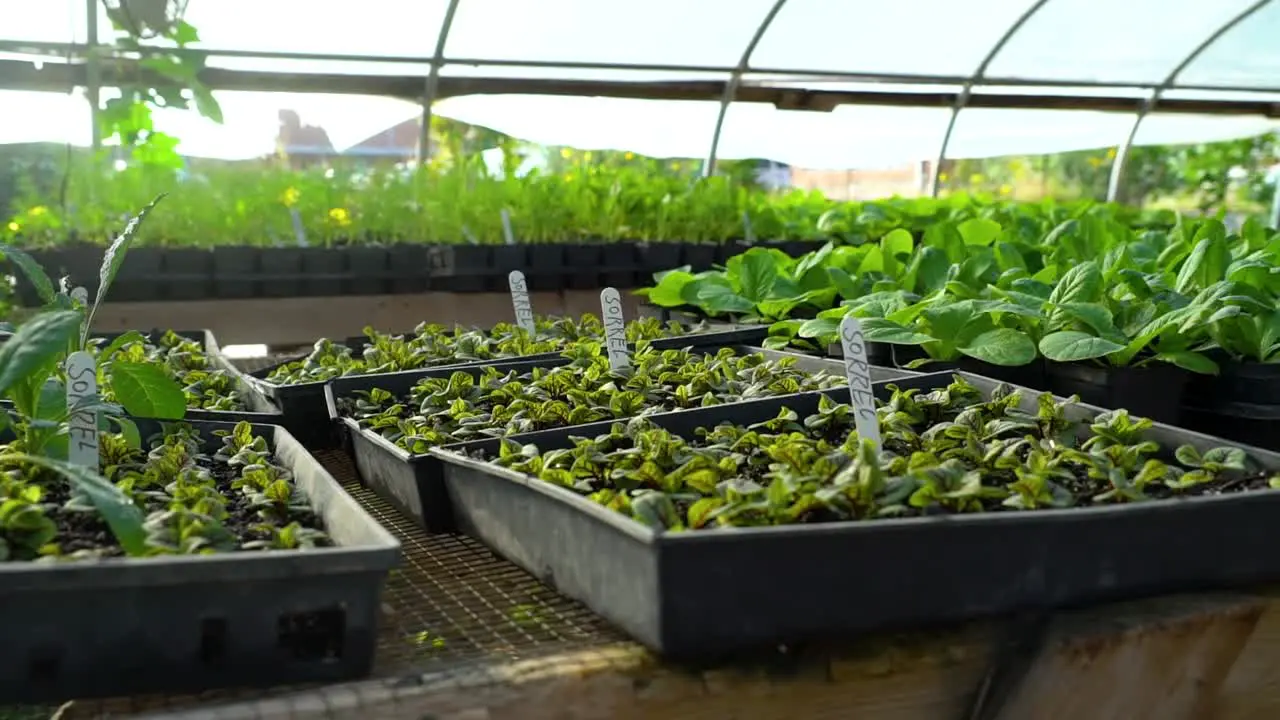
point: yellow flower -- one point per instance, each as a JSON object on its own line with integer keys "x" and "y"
{"x": 675, "y": 166}
{"x": 37, "y": 211}
{"x": 942, "y": 177}
{"x": 1095, "y": 162}
{"x": 566, "y": 153}
{"x": 290, "y": 197}
{"x": 14, "y": 227}
{"x": 569, "y": 177}
{"x": 587, "y": 156}
{"x": 1005, "y": 189}
{"x": 1111, "y": 153}
{"x": 340, "y": 216}
{"x": 629, "y": 156}
{"x": 976, "y": 179}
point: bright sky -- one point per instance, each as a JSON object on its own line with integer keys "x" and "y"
{"x": 1067, "y": 40}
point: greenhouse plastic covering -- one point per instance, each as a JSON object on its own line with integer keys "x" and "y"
{"x": 1187, "y": 49}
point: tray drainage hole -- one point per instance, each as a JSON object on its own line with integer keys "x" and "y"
{"x": 44, "y": 664}
{"x": 213, "y": 639}
{"x": 313, "y": 636}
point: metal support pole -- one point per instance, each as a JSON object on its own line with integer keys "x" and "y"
{"x": 731, "y": 86}
{"x": 962, "y": 98}
{"x": 1122, "y": 153}
{"x": 1275, "y": 205}
{"x": 433, "y": 83}
{"x": 93, "y": 72}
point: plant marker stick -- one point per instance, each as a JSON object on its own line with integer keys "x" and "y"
{"x": 299, "y": 232}
{"x": 471, "y": 239}
{"x": 82, "y": 382}
{"x": 520, "y": 300}
{"x": 506, "y": 227}
{"x": 80, "y": 295}
{"x": 858, "y": 371}
{"x": 615, "y": 329}
{"x": 748, "y": 232}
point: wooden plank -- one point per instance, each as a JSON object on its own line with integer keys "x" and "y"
{"x": 1251, "y": 690}
{"x": 301, "y": 321}
{"x": 1155, "y": 660}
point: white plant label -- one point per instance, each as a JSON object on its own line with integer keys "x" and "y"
{"x": 615, "y": 329}
{"x": 82, "y": 382}
{"x": 506, "y": 227}
{"x": 80, "y": 295}
{"x": 521, "y": 302}
{"x": 858, "y": 371}
{"x": 299, "y": 232}
{"x": 471, "y": 238}
{"x": 748, "y": 232}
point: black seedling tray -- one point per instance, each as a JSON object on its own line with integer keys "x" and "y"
{"x": 413, "y": 483}
{"x": 187, "y": 624}
{"x": 306, "y": 414}
{"x": 1154, "y": 391}
{"x": 705, "y": 594}
{"x": 260, "y": 411}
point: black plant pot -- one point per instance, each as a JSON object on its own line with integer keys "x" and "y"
{"x": 1152, "y": 391}
{"x": 411, "y": 268}
{"x": 281, "y": 271}
{"x": 582, "y": 264}
{"x": 1237, "y": 382}
{"x": 463, "y": 268}
{"x": 82, "y": 263}
{"x": 323, "y": 270}
{"x": 658, "y": 257}
{"x": 141, "y": 276}
{"x": 698, "y": 257}
{"x": 234, "y": 269}
{"x": 367, "y": 269}
{"x": 547, "y": 268}
{"x": 188, "y": 273}
{"x": 621, "y": 263}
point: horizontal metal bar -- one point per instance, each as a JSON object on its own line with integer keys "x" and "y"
{"x": 54, "y": 77}
{"x": 59, "y": 51}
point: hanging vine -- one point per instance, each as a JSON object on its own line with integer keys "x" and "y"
{"x": 156, "y": 68}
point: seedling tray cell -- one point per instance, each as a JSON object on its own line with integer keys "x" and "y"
{"x": 704, "y": 594}
{"x": 306, "y": 412}
{"x": 260, "y": 408}
{"x": 194, "y": 623}
{"x": 413, "y": 483}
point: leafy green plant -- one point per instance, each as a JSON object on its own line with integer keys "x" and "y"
{"x": 433, "y": 345}
{"x": 948, "y": 451}
{"x": 492, "y": 403}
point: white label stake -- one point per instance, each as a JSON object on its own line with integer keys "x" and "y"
{"x": 299, "y": 232}
{"x": 82, "y": 382}
{"x": 858, "y": 372}
{"x": 520, "y": 300}
{"x": 615, "y": 329}
{"x": 506, "y": 227}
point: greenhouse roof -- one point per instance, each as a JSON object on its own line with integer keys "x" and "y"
{"x": 816, "y": 83}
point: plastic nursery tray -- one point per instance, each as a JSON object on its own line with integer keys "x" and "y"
{"x": 412, "y": 483}
{"x": 261, "y": 410}
{"x": 305, "y": 411}
{"x": 710, "y": 592}
{"x": 187, "y": 624}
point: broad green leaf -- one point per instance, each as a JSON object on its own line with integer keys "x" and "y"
{"x": 1096, "y": 316}
{"x": 979, "y": 231}
{"x": 118, "y": 342}
{"x": 720, "y": 298}
{"x": 896, "y": 248}
{"x": 844, "y": 283}
{"x": 873, "y": 261}
{"x": 1207, "y": 264}
{"x": 32, "y": 270}
{"x": 120, "y": 513}
{"x": 1073, "y": 346}
{"x": 113, "y": 259}
{"x": 36, "y": 344}
{"x": 1193, "y": 361}
{"x": 1002, "y": 346}
{"x": 146, "y": 391}
{"x": 948, "y": 320}
{"x": 1080, "y": 284}
{"x": 758, "y": 274}
{"x": 1008, "y": 257}
{"x": 667, "y": 292}
{"x": 818, "y": 327}
{"x": 886, "y": 331}
{"x": 928, "y": 270}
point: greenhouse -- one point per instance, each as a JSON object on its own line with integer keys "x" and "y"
{"x": 758, "y": 359}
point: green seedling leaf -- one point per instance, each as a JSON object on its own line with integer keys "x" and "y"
{"x": 887, "y": 331}
{"x": 146, "y": 391}
{"x": 1002, "y": 346}
{"x": 36, "y": 344}
{"x": 1073, "y": 346}
{"x": 1192, "y": 361}
{"x": 758, "y": 275}
{"x": 112, "y": 260}
{"x": 979, "y": 231}
{"x": 667, "y": 293}
{"x": 123, "y": 517}
{"x": 32, "y": 270}
{"x": 120, "y": 341}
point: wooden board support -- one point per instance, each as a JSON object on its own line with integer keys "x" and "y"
{"x": 286, "y": 322}
{"x": 1163, "y": 659}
